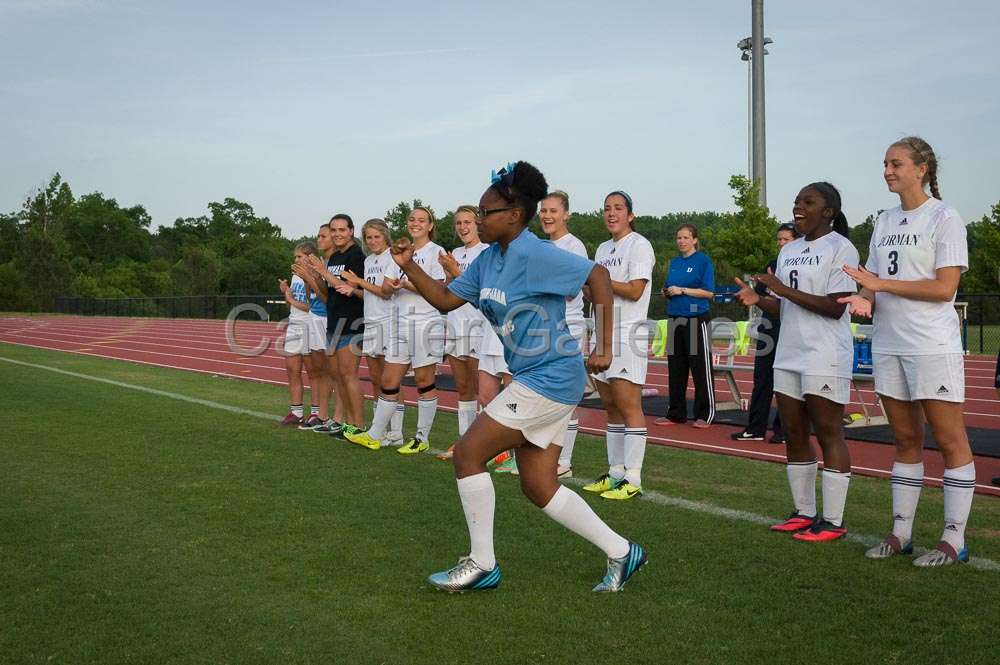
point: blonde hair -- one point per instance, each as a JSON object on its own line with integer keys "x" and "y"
{"x": 308, "y": 248}
{"x": 468, "y": 208}
{"x": 922, "y": 153}
{"x": 380, "y": 227}
{"x": 561, "y": 195}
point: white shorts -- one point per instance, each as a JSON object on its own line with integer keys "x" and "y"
{"x": 417, "y": 344}
{"x": 538, "y": 418}
{"x": 627, "y": 363}
{"x": 797, "y": 386}
{"x": 317, "y": 332}
{"x": 493, "y": 365}
{"x": 464, "y": 346}
{"x": 909, "y": 378}
{"x": 376, "y": 340}
{"x": 297, "y": 336}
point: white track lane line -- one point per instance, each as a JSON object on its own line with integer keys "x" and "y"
{"x": 648, "y": 495}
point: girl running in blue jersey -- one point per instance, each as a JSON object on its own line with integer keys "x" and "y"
{"x": 521, "y": 284}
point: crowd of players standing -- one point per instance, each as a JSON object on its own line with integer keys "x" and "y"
{"x": 507, "y": 311}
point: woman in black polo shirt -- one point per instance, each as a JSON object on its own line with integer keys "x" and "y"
{"x": 345, "y": 321}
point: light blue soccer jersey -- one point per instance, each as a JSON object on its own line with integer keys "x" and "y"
{"x": 522, "y": 292}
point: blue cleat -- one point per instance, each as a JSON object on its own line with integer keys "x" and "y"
{"x": 621, "y": 570}
{"x": 466, "y": 576}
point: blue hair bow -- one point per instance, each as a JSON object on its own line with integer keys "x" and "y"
{"x": 504, "y": 175}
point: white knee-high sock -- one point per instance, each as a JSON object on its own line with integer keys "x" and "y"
{"x": 616, "y": 450}
{"x": 426, "y": 408}
{"x": 479, "y": 504}
{"x": 635, "y": 450}
{"x": 959, "y": 486}
{"x": 380, "y": 419}
{"x": 835, "y": 484}
{"x": 907, "y": 481}
{"x": 466, "y": 414}
{"x": 396, "y": 422}
{"x": 569, "y": 440}
{"x": 570, "y": 510}
{"x": 802, "y": 481}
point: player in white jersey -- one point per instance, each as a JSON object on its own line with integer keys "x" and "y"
{"x": 417, "y": 342}
{"x": 814, "y": 361}
{"x": 917, "y": 255}
{"x": 380, "y": 316}
{"x": 465, "y": 324}
{"x": 629, "y": 258}
{"x": 296, "y": 346}
{"x": 554, "y": 216}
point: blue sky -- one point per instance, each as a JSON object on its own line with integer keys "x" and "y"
{"x": 314, "y": 108}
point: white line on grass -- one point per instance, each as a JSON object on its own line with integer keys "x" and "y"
{"x": 647, "y": 495}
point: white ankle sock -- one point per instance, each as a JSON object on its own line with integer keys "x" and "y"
{"x": 426, "y": 408}
{"x": 907, "y": 481}
{"x": 569, "y": 440}
{"x": 396, "y": 422}
{"x": 635, "y": 450}
{"x": 802, "y": 481}
{"x": 959, "y": 486}
{"x": 380, "y": 419}
{"x": 479, "y": 503}
{"x": 616, "y": 450}
{"x": 570, "y": 510}
{"x": 835, "y": 484}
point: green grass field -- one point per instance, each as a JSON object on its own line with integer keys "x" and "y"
{"x": 136, "y": 527}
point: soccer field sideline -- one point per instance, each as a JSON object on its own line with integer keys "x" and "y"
{"x": 649, "y": 495}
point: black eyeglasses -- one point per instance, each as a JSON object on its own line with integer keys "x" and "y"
{"x": 482, "y": 213}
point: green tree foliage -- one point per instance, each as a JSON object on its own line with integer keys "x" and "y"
{"x": 861, "y": 236}
{"x": 744, "y": 242}
{"x": 90, "y": 246}
{"x": 983, "y": 275}
{"x": 198, "y": 272}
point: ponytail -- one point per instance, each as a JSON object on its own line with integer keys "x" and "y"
{"x": 831, "y": 196}
{"x": 840, "y": 224}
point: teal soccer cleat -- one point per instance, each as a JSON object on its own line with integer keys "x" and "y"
{"x": 621, "y": 570}
{"x": 466, "y": 576}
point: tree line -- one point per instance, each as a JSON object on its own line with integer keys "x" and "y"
{"x": 59, "y": 244}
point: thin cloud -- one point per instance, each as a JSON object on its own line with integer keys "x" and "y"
{"x": 368, "y": 54}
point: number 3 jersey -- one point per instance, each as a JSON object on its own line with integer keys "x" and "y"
{"x": 912, "y": 245}
{"x": 812, "y": 344}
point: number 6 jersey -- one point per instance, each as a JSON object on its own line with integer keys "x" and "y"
{"x": 912, "y": 245}
{"x": 812, "y": 344}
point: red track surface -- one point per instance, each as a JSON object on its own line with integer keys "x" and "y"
{"x": 202, "y": 346}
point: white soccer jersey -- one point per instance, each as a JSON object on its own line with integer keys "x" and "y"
{"x": 912, "y": 245}
{"x": 574, "y": 308}
{"x": 466, "y": 320}
{"x": 298, "y": 288}
{"x": 376, "y": 308}
{"x": 627, "y": 259}
{"x": 411, "y": 306}
{"x": 812, "y": 344}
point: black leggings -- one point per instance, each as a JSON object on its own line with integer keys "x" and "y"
{"x": 690, "y": 351}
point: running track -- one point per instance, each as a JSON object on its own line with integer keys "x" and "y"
{"x": 201, "y": 346}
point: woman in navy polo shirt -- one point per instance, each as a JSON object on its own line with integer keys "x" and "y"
{"x": 689, "y": 287}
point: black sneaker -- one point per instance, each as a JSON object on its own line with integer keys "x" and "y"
{"x": 329, "y": 427}
{"x": 778, "y": 438}
{"x": 311, "y": 423}
{"x": 746, "y": 436}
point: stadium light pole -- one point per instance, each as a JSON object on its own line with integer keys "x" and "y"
{"x": 745, "y": 46}
{"x": 757, "y": 63}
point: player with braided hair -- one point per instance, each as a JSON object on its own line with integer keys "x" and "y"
{"x": 918, "y": 253}
{"x": 814, "y": 360}
{"x": 520, "y": 284}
